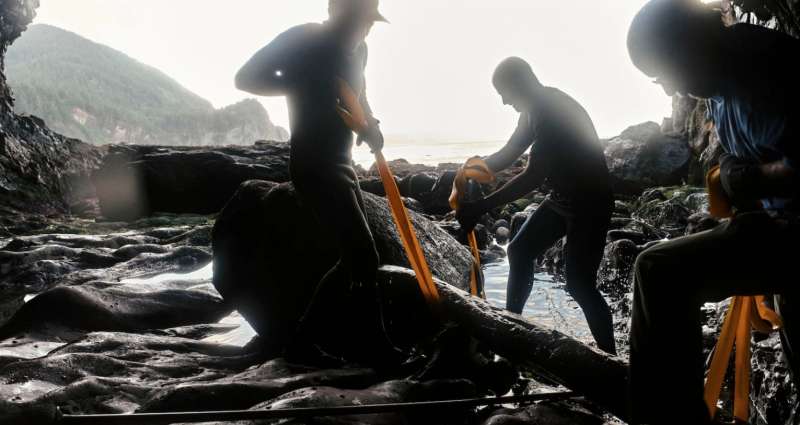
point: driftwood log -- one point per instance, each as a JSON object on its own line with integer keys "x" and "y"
{"x": 598, "y": 377}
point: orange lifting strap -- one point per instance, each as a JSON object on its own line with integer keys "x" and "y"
{"x": 356, "y": 119}
{"x": 745, "y": 313}
{"x": 476, "y": 169}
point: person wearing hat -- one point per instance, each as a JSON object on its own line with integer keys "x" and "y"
{"x": 565, "y": 155}
{"x": 748, "y": 74}
{"x": 307, "y": 64}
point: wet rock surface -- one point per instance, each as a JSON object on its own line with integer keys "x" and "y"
{"x": 94, "y": 341}
{"x": 113, "y": 342}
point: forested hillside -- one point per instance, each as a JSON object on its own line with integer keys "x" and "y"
{"x": 92, "y": 92}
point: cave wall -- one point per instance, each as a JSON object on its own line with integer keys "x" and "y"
{"x": 15, "y": 16}
{"x": 40, "y": 171}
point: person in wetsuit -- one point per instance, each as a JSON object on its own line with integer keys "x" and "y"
{"x": 305, "y": 64}
{"x": 566, "y": 155}
{"x": 748, "y": 74}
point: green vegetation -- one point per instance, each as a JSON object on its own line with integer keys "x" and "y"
{"x": 92, "y": 92}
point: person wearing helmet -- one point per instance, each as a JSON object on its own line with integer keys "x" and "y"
{"x": 566, "y": 155}
{"x": 306, "y": 64}
{"x": 748, "y": 74}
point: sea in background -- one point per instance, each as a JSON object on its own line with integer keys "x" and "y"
{"x": 426, "y": 151}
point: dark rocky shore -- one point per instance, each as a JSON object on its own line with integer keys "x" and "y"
{"x": 81, "y": 226}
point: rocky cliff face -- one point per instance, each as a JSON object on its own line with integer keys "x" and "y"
{"x": 40, "y": 171}
{"x": 15, "y": 15}
{"x": 97, "y": 94}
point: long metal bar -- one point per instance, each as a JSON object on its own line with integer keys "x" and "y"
{"x": 239, "y": 415}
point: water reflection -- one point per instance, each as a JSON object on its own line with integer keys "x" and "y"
{"x": 549, "y": 305}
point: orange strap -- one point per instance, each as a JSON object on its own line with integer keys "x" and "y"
{"x": 719, "y": 205}
{"x": 407, "y": 234}
{"x": 745, "y": 312}
{"x": 476, "y": 169}
{"x": 355, "y": 118}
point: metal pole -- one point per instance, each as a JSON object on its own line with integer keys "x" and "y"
{"x": 239, "y": 415}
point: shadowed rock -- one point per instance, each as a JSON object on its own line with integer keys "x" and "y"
{"x": 387, "y": 392}
{"x": 116, "y": 309}
{"x": 269, "y": 255}
{"x": 253, "y": 386}
{"x": 136, "y": 181}
{"x": 558, "y": 413}
{"x": 43, "y": 267}
{"x": 115, "y": 372}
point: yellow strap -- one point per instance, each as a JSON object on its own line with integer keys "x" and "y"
{"x": 407, "y": 234}
{"x": 719, "y": 205}
{"x": 744, "y": 314}
{"x": 353, "y": 115}
{"x": 741, "y": 389}
{"x": 766, "y": 320}
{"x": 475, "y": 169}
{"x": 722, "y": 353}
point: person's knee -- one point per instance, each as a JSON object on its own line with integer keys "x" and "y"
{"x": 586, "y": 294}
{"x": 648, "y": 264}
{"x": 653, "y": 272}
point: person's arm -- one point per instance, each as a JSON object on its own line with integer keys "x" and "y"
{"x": 373, "y": 136}
{"x": 516, "y": 188}
{"x": 277, "y": 67}
{"x": 364, "y": 55}
{"x": 534, "y": 175}
{"x": 514, "y": 148}
{"x": 746, "y": 182}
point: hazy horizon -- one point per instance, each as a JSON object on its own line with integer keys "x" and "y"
{"x": 429, "y": 74}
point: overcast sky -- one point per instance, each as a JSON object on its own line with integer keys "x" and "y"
{"x": 430, "y": 70}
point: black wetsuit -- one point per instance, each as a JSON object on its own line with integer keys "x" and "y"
{"x": 305, "y": 63}
{"x": 566, "y": 156}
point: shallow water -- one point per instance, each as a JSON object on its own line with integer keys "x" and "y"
{"x": 548, "y": 305}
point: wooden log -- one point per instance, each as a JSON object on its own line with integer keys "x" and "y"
{"x": 599, "y": 377}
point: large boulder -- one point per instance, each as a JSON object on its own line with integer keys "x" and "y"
{"x": 270, "y": 253}
{"x": 643, "y": 157}
{"x": 41, "y": 171}
{"x": 136, "y": 181}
